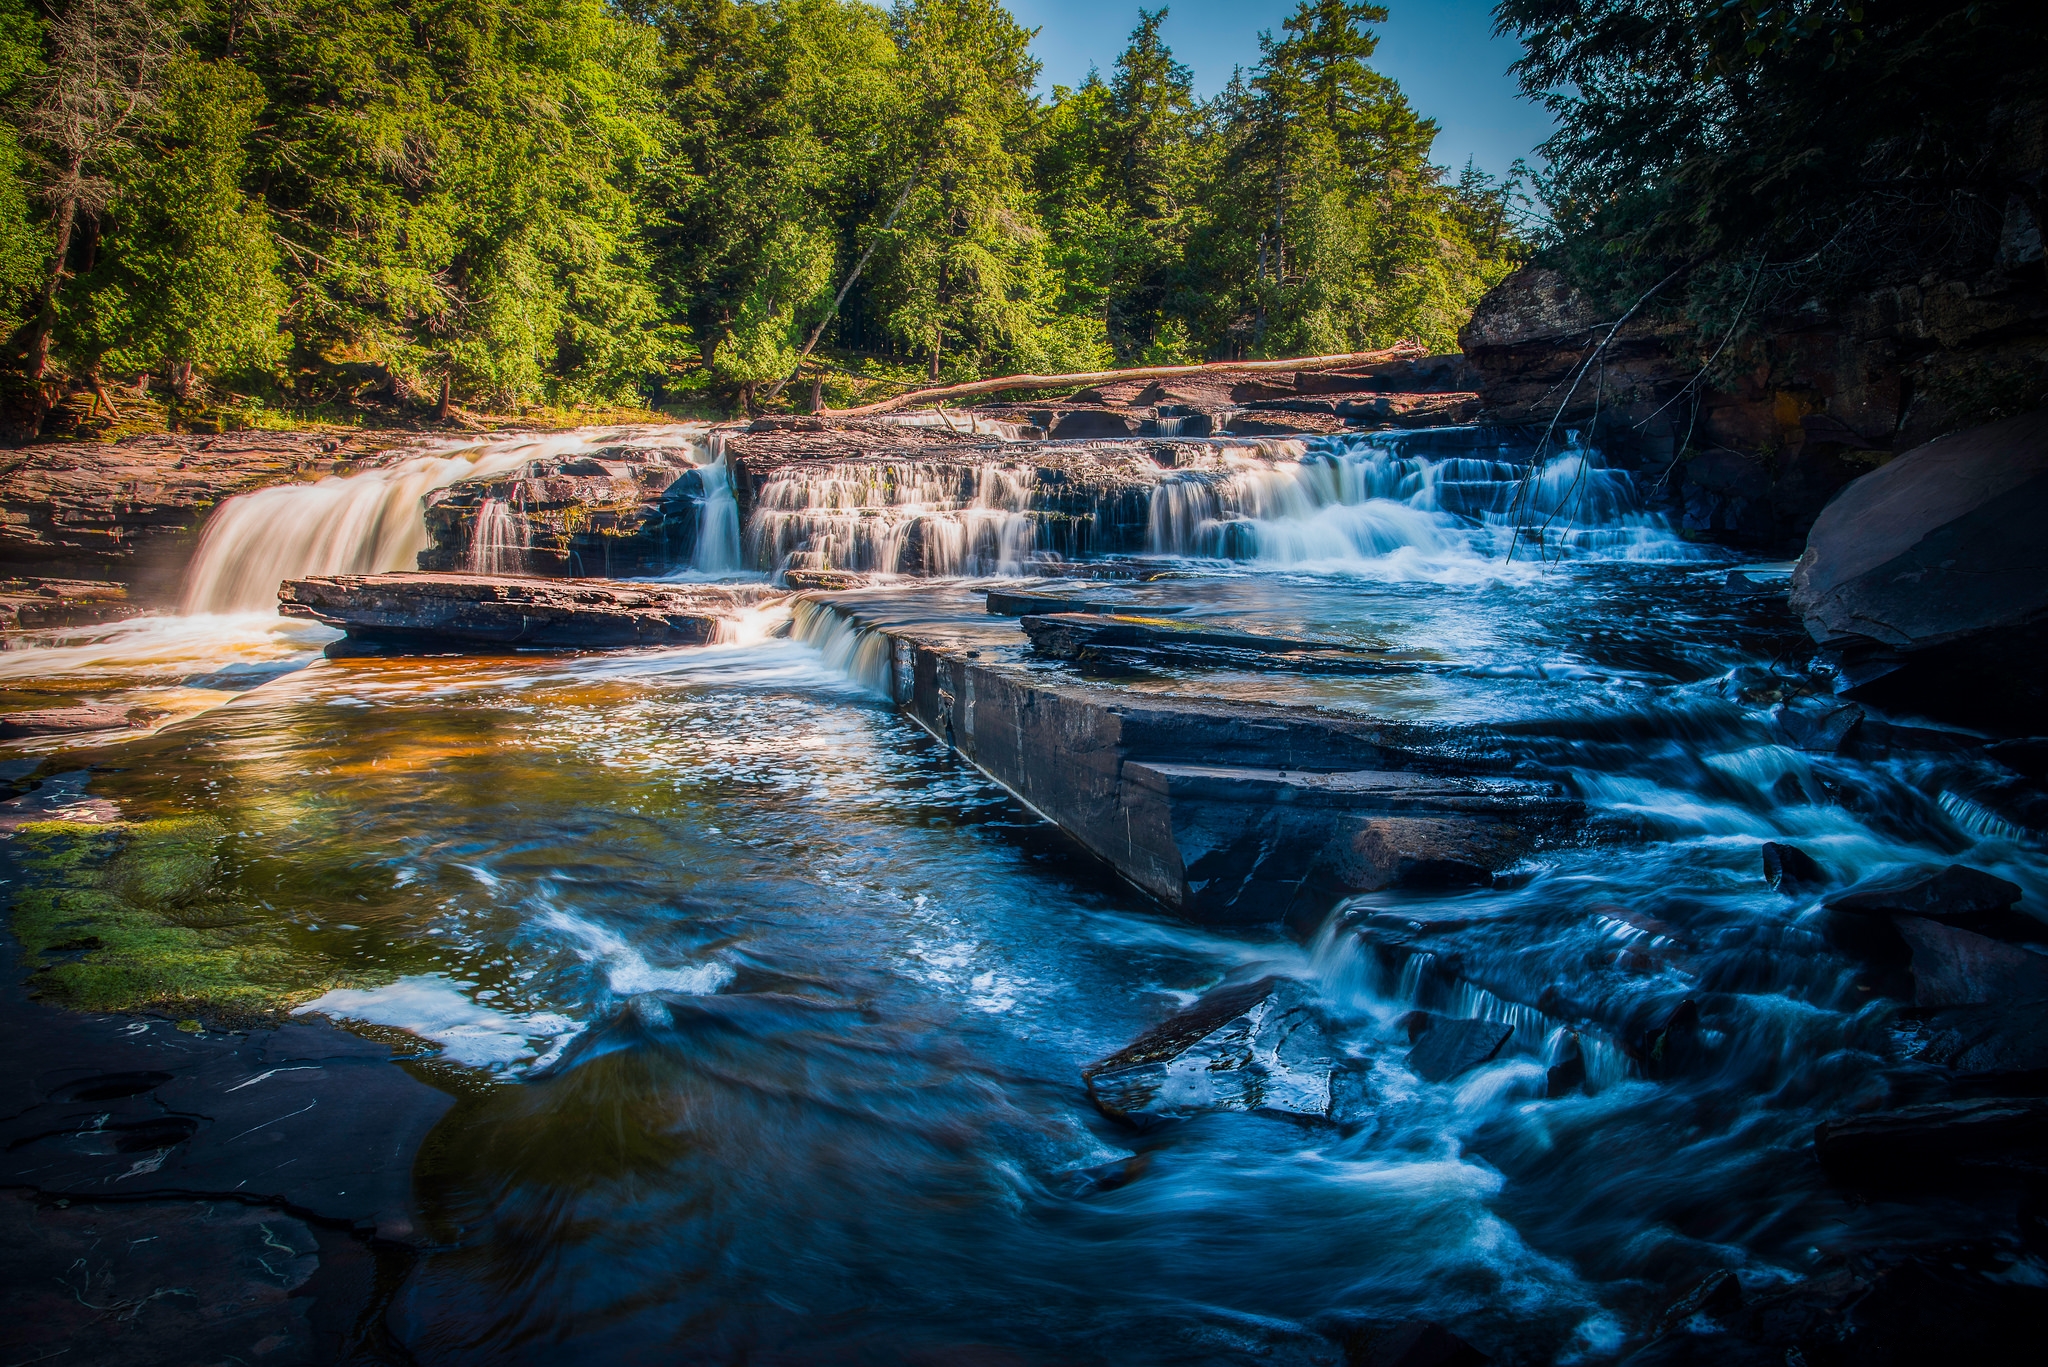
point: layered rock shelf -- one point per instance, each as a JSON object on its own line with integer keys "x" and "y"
{"x": 443, "y": 612}
{"x": 1224, "y": 810}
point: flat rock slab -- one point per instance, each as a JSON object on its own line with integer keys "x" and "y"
{"x": 457, "y": 611}
{"x": 1451, "y": 1047}
{"x": 1105, "y": 634}
{"x": 1257, "y": 1046}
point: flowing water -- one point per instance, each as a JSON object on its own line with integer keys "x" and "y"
{"x": 766, "y": 1015}
{"x": 370, "y": 522}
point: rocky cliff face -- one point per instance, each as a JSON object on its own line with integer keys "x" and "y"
{"x": 1825, "y": 395}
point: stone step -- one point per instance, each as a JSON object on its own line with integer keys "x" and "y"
{"x": 401, "y": 613}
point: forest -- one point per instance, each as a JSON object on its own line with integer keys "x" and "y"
{"x": 403, "y": 205}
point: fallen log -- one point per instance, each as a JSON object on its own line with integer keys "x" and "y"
{"x": 1087, "y": 377}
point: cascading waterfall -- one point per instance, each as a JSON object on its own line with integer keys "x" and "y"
{"x": 1371, "y": 500}
{"x": 363, "y": 523}
{"x": 895, "y": 517}
{"x": 718, "y": 529}
{"x": 499, "y": 540}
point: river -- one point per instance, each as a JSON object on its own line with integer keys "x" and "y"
{"x": 766, "y": 1014}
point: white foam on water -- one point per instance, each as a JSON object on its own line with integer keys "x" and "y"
{"x": 435, "y": 1009}
{"x": 627, "y": 971}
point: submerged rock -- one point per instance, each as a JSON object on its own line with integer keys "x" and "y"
{"x": 1447, "y": 1048}
{"x": 1926, "y": 576}
{"x": 1257, "y": 1046}
{"x": 60, "y": 721}
{"x": 455, "y": 611}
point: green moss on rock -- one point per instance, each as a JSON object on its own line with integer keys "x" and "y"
{"x": 139, "y": 916}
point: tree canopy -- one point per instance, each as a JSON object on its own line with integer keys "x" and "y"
{"x": 510, "y": 202}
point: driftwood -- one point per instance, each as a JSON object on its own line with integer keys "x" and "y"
{"x": 1157, "y": 372}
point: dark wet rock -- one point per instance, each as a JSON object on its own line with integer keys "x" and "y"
{"x": 60, "y": 721}
{"x": 447, "y": 611}
{"x": 1793, "y": 871}
{"x": 1089, "y": 422}
{"x": 1952, "y": 895}
{"x": 1954, "y": 967}
{"x": 1412, "y": 1343}
{"x": 1128, "y": 637}
{"x": 1927, "y": 577}
{"x": 113, "y": 1104}
{"x": 1003, "y": 603}
{"x": 1102, "y": 1177}
{"x": 2003, "y": 1045}
{"x": 1889, "y": 1308}
{"x": 1257, "y": 1046}
{"x": 1819, "y": 725}
{"x": 120, "y": 1283}
{"x": 1451, "y": 1047}
{"x": 2027, "y": 756}
{"x": 1714, "y": 1298}
{"x": 1672, "y": 1046}
{"x": 1756, "y": 584}
{"x": 1918, "y": 1146}
{"x": 1568, "y": 1074}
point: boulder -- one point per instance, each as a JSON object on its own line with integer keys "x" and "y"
{"x": 442, "y": 612}
{"x": 1935, "y": 1143}
{"x": 1792, "y": 871}
{"x": 1929, "y": 578}
{"x": 1818, "y": 725}
{"x": 1959, "y": 896}
{"x": 1954, "y": 967}
{"x": 1448, "y": 1048}
{"x": 1256, "y": 1046}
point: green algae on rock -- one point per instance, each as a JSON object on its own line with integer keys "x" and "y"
{"x": 142, "y": 915}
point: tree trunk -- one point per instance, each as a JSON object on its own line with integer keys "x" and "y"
{"x": 747, "y": 400}
{"x": 1157, "y": 372}
{"x": 817, "y": 392}
{"x": 441, "y": 405}
{"x": 46, "y": 307}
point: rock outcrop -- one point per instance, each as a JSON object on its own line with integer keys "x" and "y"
{"x": 1224, "y": 810}
{"x": 130, "y": 511}
{"x": 446, "y": 612}
{"x": 1929, "y": 578}
{"x": 1822, "y": 396}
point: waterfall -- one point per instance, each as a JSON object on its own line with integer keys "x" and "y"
{"x": 363, "y": 523}
{"x": 895, "y": 517}
{"x": 1371, "y": 499}
{"x": 498, "y": 542}
{"x": 718, "y": 527}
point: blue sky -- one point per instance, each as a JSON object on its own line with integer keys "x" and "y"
{"x": 1443, "y": 53}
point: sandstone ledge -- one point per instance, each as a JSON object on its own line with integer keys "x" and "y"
{"x": 453, "y": 612}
